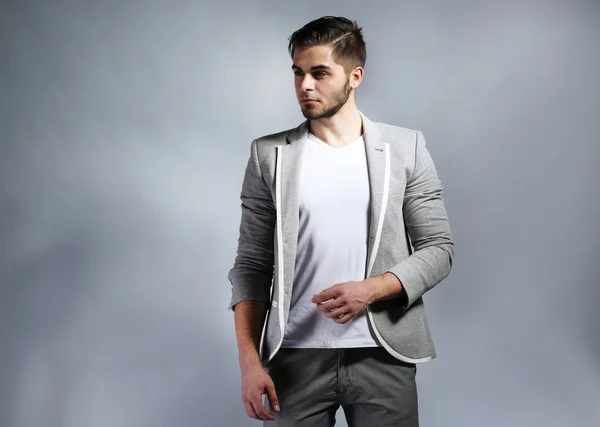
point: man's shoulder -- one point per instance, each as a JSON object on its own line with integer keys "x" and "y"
{"x": 276, "y": 138}
{"x": 392, "y": 133}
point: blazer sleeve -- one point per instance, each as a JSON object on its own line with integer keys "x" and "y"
{"x": 428, "y": 227}
{"x": 252, "y": 273}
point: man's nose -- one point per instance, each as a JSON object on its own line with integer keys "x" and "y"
{"x": 307, "y": 83}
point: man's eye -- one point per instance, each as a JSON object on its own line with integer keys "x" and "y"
{"x": 319, "y": 74}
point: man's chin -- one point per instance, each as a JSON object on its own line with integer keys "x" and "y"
{"x": 310, "y": 112}
{"x": 310, "y": 116}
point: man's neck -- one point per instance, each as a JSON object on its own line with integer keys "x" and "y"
{"x": 340, "y": 130}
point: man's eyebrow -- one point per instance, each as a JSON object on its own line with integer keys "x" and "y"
{"x": 313, "y": 68}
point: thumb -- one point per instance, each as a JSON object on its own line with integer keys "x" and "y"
{"x": 272, "y": 395}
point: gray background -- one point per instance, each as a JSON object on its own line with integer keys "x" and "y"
{"x": 125, "y": 127}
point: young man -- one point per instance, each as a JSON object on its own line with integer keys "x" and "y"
{"x": 343, "y": 230}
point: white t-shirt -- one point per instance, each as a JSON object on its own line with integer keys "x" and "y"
{"x": 332, "y": 242}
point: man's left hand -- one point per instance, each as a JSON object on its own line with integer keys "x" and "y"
{"x": 344, "y": 301}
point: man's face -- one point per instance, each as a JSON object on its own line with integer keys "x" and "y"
{"x": 322, "y": 85}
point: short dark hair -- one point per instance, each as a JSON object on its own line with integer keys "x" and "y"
{"x": 344, "y": 35}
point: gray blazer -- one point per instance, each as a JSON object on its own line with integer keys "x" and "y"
{"x": 409, "y": 234}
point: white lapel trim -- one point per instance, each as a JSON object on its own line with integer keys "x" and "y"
{"x": 386, "y": 190}
{"x": 281, "y": 273}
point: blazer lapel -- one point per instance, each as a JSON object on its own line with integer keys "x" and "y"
{"x": 291, "y": 163}
{"x": 376, "y": 164}
{"x": 290, "y": 174}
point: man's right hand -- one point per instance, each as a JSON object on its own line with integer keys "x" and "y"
{"x": 256, "y": 382}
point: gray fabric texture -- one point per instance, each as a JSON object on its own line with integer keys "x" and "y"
{"x": 415, "y": 239}
{"x": 373, "y": 388}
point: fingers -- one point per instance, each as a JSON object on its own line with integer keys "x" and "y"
{"x": 327, "y": 294}
{"x": 341, "y": 315}
{"x": 250, "y": 410}
{"x": 255, "y": 408}
{"x": 335, "y": 308}
{"x": 257, "y": 383}
{"x": 338, "y": 311}
{"x": 334, "y": 304}
{"x": 272, "y": 396}
{"x": 345, "y": 318}
{"x": 260, "y": 409}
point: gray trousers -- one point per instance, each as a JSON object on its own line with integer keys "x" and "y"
{"x": 374, "y": 388}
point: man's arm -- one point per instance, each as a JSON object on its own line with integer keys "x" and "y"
{"x": 429, "y": 230}
{"x": 249, "y": 319}
{"x": 251, "y": 279}
{"x": 252, "y": 274}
